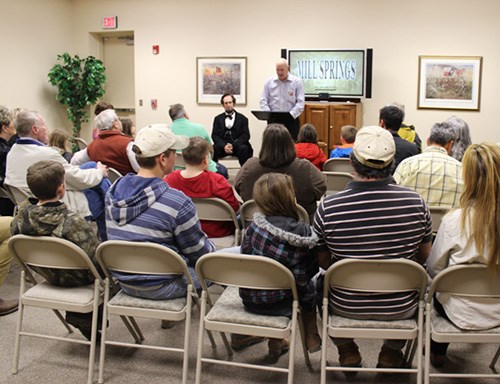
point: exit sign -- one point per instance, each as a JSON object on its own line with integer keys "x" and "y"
{"x": 110, "y": 22}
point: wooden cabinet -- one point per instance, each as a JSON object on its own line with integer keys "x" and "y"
{"x": 329, "y": 118}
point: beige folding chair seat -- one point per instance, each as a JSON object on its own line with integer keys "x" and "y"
{"x": 397, "y": 275}
{"x": 149, "y": 259}
{"x": 228, "y": 313}
{"x": 215, "y": 209}
{"x": 468, "y": 280}
{"x": 52, "y": 252}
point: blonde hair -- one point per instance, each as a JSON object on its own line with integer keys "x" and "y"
{"x": 480, "y": 200}
{"x": 59, "y": 138}
{"x": 275, "y": 196}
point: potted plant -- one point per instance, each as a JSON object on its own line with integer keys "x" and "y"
{"x": 80, "y": 83}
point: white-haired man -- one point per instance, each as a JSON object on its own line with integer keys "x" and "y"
{"x": 111, "y": 147}
{"x": 284, "y": 93}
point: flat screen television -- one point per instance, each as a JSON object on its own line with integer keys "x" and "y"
{"x": 333, "y": 73}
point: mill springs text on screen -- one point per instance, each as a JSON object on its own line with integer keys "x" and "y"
{"x": 326, "y": 69}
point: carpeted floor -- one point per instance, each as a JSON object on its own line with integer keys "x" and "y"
{"x": 44, "y": 361}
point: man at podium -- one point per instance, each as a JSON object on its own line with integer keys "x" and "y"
{"x": 284, "y": 93}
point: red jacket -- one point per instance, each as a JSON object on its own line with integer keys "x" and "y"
{"x": 311, "y": 152}
{"x": 207, "y": 184}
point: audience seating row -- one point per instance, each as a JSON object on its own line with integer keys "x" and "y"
{"x": 227, "y": 314}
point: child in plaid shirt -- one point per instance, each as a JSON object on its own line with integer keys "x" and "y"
{"x": 277, "y": 233}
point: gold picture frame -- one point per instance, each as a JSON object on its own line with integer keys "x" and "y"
{"x": 449, "y": 82}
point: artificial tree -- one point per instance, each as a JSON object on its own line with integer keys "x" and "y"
{"x": 80, "y": 83}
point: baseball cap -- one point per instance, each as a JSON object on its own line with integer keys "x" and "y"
{"x": 155, "y": 139}
{"x": 374, "y": 147}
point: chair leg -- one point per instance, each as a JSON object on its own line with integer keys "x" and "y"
{"x": 293, "y": 336}
{"x": 93, "y": 339}
{"x": 427, "y": 361}
{"x": 132, "y": 330}
{"x": 20, "y": 313}
{"x": 62, "y": 320}
{"x": 187, "y": 330}
{"x": 201, "y": 331}
{"x": 104, "y": 332}
{"x": 303, "y": 341}
{"x": 324, "y": 341}
{"x": 495, "y": 358}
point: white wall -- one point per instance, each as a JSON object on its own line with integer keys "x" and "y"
{"x": 33, "y": 33}
{"x": 398, "y": 31}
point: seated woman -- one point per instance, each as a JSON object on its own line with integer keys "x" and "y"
{"x": 467, "y": 235}
{"x": 278, "y": 234}
{"x": 277, "y": 154}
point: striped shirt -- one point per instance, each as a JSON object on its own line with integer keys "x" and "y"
{"x": 373, "y": 220}
{"x": 436, "y": 176}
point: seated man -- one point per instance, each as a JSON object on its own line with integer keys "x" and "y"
{"x": 111, "y": 147}
{"x": 387, "y": 221}
{"x": 391, "y": 118}
{"x": 47, "y": 215}
{"x": 144, "y": 208}
{"x": 6, "y": 306}
{"x": 230, "y": 132}
{"x": 197, "y": 181}
{"x": 434, "y": 174}
{"x": 347, "y": 137}
{"x": 31, "y": 147}
{"x": 182, "y": 126}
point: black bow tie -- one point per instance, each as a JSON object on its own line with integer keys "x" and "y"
{"x": 229, "y": 116}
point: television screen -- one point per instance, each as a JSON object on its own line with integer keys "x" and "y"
{"x": 340, "y": 73}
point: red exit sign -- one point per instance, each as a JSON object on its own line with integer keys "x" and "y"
{"x": 110, "y": 22}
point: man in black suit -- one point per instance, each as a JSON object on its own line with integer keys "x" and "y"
{"x": 230, "y": 132}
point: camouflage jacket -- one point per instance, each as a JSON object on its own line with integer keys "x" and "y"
{"x": 55, "y": 219}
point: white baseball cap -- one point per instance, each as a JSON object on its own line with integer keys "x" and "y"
{"x": 155, "y": 139}
{"x": 374, "y": 147}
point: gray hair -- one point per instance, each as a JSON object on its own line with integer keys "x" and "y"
{"x": 5, "y": 116}
{"x": 176, "y": 111}
{"x": 104, "y": 121}
{"x": 25, "y": 120}
{"x": 441, "y": 134}
{"x": 462, "y": 140}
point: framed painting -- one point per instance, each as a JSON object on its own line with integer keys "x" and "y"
{"x": 449, "y": 82}
{"x": 218, "y": 75}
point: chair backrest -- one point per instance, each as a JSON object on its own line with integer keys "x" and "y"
{"x": 472, "y": 280}
{"x": 213, "y": 208}
{"x": 49, "y": 252}
{"x": 245, "y": 271}
{"x": 80, "y": 143}
{"x": 140, "y": 258}
{"x": 384, "y": 276}
{"x": 338, "y": 165}
{"x": 17, "y": 195}
{"x": 113, "y": 175}
{"x": 336, "y": 181}
{"x": 249, "y": 207}
{"x": 437, "y": 214}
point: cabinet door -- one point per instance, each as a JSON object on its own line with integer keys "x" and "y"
{"x": 340, "y": 115}
{"x": 318, "y": 115}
